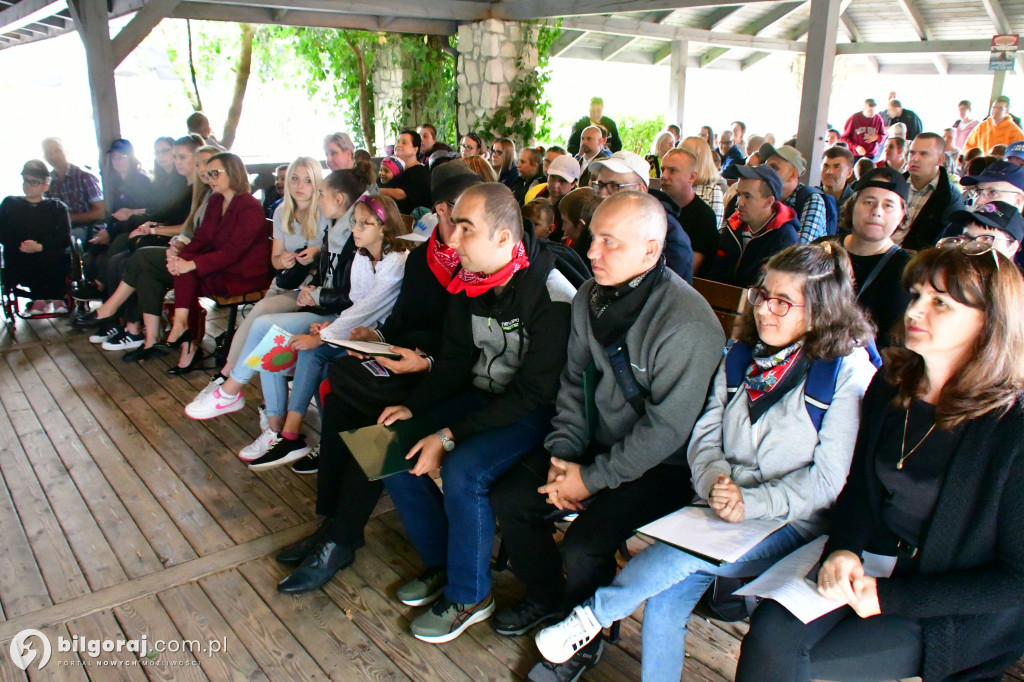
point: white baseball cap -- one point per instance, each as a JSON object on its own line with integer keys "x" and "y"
{"x": 623, "y": 162}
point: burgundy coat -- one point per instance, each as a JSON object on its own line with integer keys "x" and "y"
{"x": 232, "y": 251}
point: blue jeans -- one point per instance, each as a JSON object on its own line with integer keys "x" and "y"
{"x": 672, "y": 582}
{"x": 310, "y": 371}
{"x": 275, "y": 384}
{"x": 456, "y": 529}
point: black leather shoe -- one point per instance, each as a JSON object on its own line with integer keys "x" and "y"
{"x": 292, "y": 555}
{"x": 317, "y": 569}
{"x": 186, "y": 337}
{"x": 89, "y": 320}
{"x": 194, "y": 364}
{"x": 143, "y": 353}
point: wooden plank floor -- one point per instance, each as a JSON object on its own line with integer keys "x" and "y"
{"x": 123, "y": 519}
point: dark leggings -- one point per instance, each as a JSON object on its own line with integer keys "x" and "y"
{"x": 838, "y": 646}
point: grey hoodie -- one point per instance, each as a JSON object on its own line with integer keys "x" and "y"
{"x": 785, "y": 468}
{"x": 674, "y": 346}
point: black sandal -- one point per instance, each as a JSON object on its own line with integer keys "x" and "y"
{"x": 194, "y": 364}
{"x": 186, "y": 337}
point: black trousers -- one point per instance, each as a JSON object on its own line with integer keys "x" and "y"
{"x": 838, "y": 646}
{"x": 591, "y": 541}
{"x": 356, "y": 399}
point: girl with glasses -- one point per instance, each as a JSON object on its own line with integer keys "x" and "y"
{"x": 934, "y": 493}
{"x": 754, "y": 453}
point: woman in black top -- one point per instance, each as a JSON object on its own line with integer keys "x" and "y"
{"x": 877, "y": 208}
{"x": 934, "y": 489}
{"x": 35, "y": 233}
{"x": 411, "y": 189}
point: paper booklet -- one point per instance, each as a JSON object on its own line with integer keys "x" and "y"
{"x": 273, "y": 353}
{"x": 699, "y": 531}
{"x": 787, "y": 581}
{"x": 377, "y": 349}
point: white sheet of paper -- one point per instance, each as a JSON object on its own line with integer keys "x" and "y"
{"x": 700, "y": 531}
{"x": 786, "y": 582}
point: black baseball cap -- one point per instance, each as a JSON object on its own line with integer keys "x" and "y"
{"x": 885, "y": 178}
{"x": 997, "y": 214}
{"x": 998, "y": 171}
{"x": 449, "y": 180}
{"x": 764, "y": 173}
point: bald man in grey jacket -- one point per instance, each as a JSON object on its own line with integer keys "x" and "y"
{"x": 622, "y": 462}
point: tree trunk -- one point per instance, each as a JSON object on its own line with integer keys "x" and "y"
{"x": 365, "y": 116}
{"x": 241, "y": 83}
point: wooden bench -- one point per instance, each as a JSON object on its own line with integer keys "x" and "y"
{"x": 728, "y": 302}
{"x": 232, "y": 303}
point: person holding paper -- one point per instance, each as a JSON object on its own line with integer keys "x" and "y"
{"x": 755, "y": 452}
{"x": 490, "y": 396}
{"x": 639, "y": 319}
{"x": 935, "y": 488}
{"x": 359, "y": 391}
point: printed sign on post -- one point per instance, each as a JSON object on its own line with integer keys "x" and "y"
{"x": 1004, "y": 53}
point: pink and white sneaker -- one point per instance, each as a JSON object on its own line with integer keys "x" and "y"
{"x": 214, "y": 404}
{"x": 36, "y": 308}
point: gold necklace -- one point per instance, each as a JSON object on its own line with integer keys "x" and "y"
{"x": 903, "y": 448}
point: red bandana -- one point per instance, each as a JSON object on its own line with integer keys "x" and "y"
{"x": 761, "y": 377}
{"x": 478, "y": 283}
{"x": 442, "y": 259}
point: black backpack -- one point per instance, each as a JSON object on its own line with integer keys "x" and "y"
{"x": 567, "y": 261}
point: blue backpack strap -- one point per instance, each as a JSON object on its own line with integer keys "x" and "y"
{"x": 636, "y": 396}
{"x": 737, "y": 359}
{"x": 873, "y": 354}
{"x": 820, "y": 387}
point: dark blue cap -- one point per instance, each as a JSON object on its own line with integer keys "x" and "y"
{"x": 998, "y": 171}
{"x": 997, "y": 214}
{"x": 764, "y": 173}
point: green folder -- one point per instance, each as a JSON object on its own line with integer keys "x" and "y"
{"x": 380, "y": 450}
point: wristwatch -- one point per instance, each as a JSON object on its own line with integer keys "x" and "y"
{"x": 446, "y": 441}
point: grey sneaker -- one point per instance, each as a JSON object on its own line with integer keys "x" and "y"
{"x": 423, "y": 589}
{"x": 446, "y": 620}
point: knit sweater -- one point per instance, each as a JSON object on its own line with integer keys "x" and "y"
{"x": 785, "y": 467}
{"x": 674, "y": 346}
{"x": 968, "y": 587}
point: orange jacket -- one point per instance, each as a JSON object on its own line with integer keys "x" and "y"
{"x": 987, "y": 134}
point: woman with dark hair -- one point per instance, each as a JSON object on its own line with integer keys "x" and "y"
{"x": 471, "y": 145}
{"x": 411, "y": 189}
{"x": 163, "y": 160}
{"x": 142, "y": 262}
{"x": 228, "y": 255}
{"x": 707, "y": 133}
{"x": 876, "y": 210}
{"x": 755, "y": 452}
{"x": 934, "y": 492}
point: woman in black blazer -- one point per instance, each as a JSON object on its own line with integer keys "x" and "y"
{"x": 936, "y": 486}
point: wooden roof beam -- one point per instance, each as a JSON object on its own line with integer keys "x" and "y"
{"x": 446, "y": 10}
{"x": 774, "y": 16}
{"x": 262, "y": 15}
{"x": 28, "y": 12}
{"x": 565, "y": 41}
{"x": 136, "y": 30}
{"x": 622, "y": 43}
{"x": 535, "y": 9}
{"x": 715, "y": 17}
{"x": 857, "y": 37}
{"x": 917, "y": 20}
{"x": 796, "y": 33}
{"x": 642, "y": 29}
{"x": 917, "y": 47}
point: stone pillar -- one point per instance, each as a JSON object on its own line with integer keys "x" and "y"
{"x": 492, "y": 54}
{"x": 387, "y": 97}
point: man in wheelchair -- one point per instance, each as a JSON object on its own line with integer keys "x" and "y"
{"x": 35, "y": 233}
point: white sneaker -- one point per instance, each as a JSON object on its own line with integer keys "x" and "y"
{"x": 259, "y": 447}
{"x": 214, "y": 404}
{"x": 124, "y": 340}
{"x": 107, "y": 331}
{"x": 216, "y": 382}
{"x": 559, "y": 642}
{"x": 264, "y": 419}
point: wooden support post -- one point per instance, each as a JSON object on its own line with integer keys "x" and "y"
{"x": 91, "y": 19}
{"x": 677, "y": 81}
{"x": 998, "y": 79}
{"x": 817, "y": 85}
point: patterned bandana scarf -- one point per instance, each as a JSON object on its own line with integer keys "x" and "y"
{"x": 442, "y": 260}
{"x": 767, "y": 370}
{"x": 477, "y": 283}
